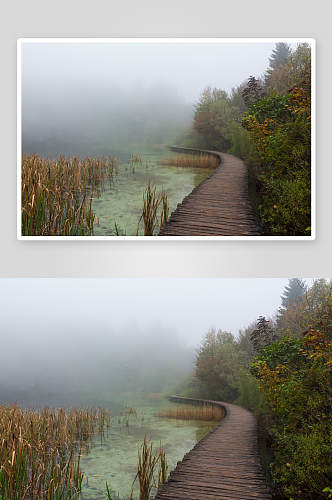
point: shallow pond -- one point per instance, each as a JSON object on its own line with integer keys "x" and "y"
{"x": 115, "y": 458}
{"x": 123, "y": 202}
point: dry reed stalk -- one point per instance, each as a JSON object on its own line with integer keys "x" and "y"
{"x": 192, "y": 412}
{"x": 39, "y": 457}
{"x": 57, "y": 193}
{"x": 162, "y": 473}
{"x": 150, "y": 208}
{"x": 191, "y": 161}
{"x": 151, "y": 204}
{"x": 165, "y": 209}
{"x": 135, "y": 159}
{"x": 147, "y": 462}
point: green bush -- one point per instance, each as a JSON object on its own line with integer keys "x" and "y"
{"x": 280, "y": 127}
{"x": 296, "y": 376}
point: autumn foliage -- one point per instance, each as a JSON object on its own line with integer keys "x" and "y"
{"x": 267, "y": 122}
{"x": 281, "y": 369}
{"x": 296, "y": 376}
{"x": 280, "y": 127}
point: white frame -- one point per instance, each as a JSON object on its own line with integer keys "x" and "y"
{"x": 312, "y": 41}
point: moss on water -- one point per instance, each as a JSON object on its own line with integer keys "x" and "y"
{"x": 115, "y": 461}
{"x": 122, "y": 202}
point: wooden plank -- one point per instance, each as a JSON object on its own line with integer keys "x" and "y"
{"x": 219, "y": 206}
{"x": 222, "y": 466}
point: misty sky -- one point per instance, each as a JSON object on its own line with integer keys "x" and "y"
{"x": 52, "y": 70}
{"x": 86, "y": 97}
{"x": 80, "y": 309}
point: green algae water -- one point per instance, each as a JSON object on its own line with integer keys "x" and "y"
{"x": 122, "y": 202}
{"x": 114, "y": 458}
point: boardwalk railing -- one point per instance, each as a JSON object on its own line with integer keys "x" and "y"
{"x": 218, "y": 206}
{"x": 222, "y": 466}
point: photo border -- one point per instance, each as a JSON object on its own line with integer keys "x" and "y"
{"x": 312, "y": 41}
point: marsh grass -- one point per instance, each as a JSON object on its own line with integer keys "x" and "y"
{"x": 151, "y": 204}
{"x": 135, "y": 159}
{"x": 191, "y": 161}
{"x": 40, "y": 450}
{"x": 57, "y": 193}
{"x": 193, "y": 412}
{"x": 164, "y": 209}
{"x": 147, "y": 463}
{"x": 126, "y": 414}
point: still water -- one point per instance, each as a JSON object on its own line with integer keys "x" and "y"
{"x": 122, "y": 203}
{"x": 115, "y": 459}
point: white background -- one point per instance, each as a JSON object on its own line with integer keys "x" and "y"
{"x": 159, "y": 258}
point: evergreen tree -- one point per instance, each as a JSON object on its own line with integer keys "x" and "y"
{"x": 294, "y": 292}
{"x": 280, "y": 54}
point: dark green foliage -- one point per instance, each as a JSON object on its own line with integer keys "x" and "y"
{"x": 280, "y": 128}
{"x": 296, "y": 376}
{"x": 274, "y": 107}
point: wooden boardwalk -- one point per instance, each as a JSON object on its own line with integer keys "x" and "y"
{"x": 222, "y": 466}
{"x": 218, "y": 206}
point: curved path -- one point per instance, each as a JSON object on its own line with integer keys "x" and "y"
{"x": 218, "y": 206}
{"x": 222, "y": 466}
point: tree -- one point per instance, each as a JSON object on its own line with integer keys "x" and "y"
{"x": 217, "y": 363}
{"x": 280, "y": 127}
{"x": 263, "y": 335}
{"x": 253, "y": 91}
{"x": 294, "y": 292}
{"x": 295, "y": 71}
{"x": 296, "y": 376}
{"x": 213, "y": 119}
{"x": 313, "y": 310}
{"x": 280, "y": 54}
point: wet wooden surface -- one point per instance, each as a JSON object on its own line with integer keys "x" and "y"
{"x": 222, "y": 466}
{"x": 218, "y": 206}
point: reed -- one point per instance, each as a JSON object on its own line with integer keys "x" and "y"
{"x": 164, "y": 209}
{"x": 162, "y": 473}
{"x": 201, "y": 160}
{"x": 150, "y": 208}
{"x": 193, "y": 412}
{"x": 147, "y": 463}
{"x": 40, "y": 450}
{"x": 57, "y": 193}
{"x": 135, "y": 159}
{"x": 151, "y": 204}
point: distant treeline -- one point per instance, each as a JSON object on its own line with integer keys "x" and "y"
{"x": 267, "y": 122}
{"x": 84, "y": 123}
{"x": 95, "y": 364}
{"x": 281, "y": 369}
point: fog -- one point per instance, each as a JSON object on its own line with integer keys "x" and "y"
{"x": 89, "y": 98}
{"x": 70, "y": 337}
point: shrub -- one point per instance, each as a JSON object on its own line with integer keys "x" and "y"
{"x": 296, "y": 376}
